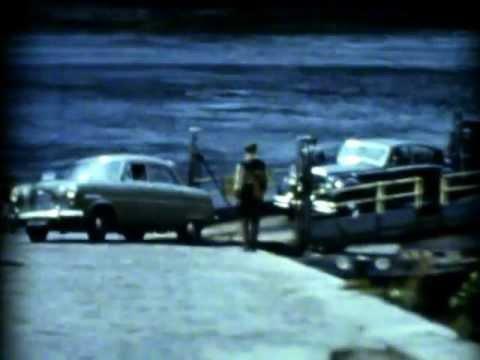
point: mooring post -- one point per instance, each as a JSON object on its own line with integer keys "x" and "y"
{"x": 194, "y": 163}
{"x": 305, "y": 183}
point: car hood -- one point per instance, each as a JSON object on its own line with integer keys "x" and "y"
{"x": 53, "y": 187}
{"x": 52, "y": 184}
{"x": 337, "y": 169}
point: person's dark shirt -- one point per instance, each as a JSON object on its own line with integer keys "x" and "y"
{"x": 257, "y": 169}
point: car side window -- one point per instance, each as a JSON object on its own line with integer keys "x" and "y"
{"x": 160, "y": 174}
{"x": 438, "y": 157}
{"x": 113, "y": 170}
{"x": 135, "y": 172}
{"x": 423, "y": 155}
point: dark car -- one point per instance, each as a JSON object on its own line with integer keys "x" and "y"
{"x": 366, "y": 160}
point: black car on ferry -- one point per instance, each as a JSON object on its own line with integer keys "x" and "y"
{"x": 361, "y": 161}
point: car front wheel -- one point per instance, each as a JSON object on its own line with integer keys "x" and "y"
{"x": 97, "y": 227}
{"x": 190, "y": 232}
{"x": 37, "y": 234}
{"x": 134, "y": 235}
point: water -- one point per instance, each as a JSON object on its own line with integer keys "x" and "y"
{"x": 80, "y": 94}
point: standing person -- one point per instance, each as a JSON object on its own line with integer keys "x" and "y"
{"x": 250, "y": 185}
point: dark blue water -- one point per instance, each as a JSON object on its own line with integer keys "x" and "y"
{"x": 83, "y": 94}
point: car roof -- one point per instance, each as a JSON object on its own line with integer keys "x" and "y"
{"x": 392, "y": 142}
{"x": 130, "y": 157}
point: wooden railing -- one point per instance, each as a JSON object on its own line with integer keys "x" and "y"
{"x": 381, "y": 197}
{"x": 446, "y": 188}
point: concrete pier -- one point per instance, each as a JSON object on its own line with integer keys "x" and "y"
{"x": 69, "y": 299}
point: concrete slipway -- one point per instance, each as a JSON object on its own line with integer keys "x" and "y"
{"x": 162, "y": 300}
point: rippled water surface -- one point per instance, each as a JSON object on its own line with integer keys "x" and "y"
{"x": 83, "y": 94}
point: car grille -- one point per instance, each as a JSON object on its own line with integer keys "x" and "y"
{"x": 42, "y": 200}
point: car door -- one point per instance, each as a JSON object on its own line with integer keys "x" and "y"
{"x": 134, "y": 207}
{"x": 422, "y": 155}
{"x": 168, "y": 203}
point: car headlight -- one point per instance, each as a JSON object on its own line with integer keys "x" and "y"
{"x": 338, "y": 184}
{"x": 14, "y": 195}
{"x": 383, "y": 264}
{"x": 70, "y": 194}
{"x": 19, "y": 192}
{"x": 70, "y": 191}
{"x": 344, "y": 263}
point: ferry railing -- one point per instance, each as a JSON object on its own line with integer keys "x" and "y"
{"x": 446, "y": 188}
{"x": 381, "y": 196}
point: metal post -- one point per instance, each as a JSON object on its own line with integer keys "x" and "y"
{"x": 444, "y": 191}
{"x": 458, "y": 120}
{"x": 418, "y": 193}
{"x": 379, "y": 209}
{"x": 380, "y": 198}
{"x": 194, "y": 164}
{"x": 305, "y": 181}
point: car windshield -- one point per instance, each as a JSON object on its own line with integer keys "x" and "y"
{"x": 355, "y": 152}
{"x": 98, "y": 169}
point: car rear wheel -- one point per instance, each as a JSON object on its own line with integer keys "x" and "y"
{"x": 37, "y": 234}
{"x": 98, "y": 226}
{"x": 135, "y": 235}
{"x": 190, "y": 232}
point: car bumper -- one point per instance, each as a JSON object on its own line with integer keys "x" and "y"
{"x": 324, "y": 207}
{"x": 283, "y": 201}
{"x": 53, "y": 218}
{"x": 288, "y": 202}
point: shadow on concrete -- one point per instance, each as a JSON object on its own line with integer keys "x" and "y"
{"x": 371, "y": 354}
{"x": 271, "y": 246}
{"x": 164, "y": 241}
{"x": 11, "y": 263}
{"x": 279, "y": 248}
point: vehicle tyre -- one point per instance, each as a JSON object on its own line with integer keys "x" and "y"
{"x": 37, "y": 234}
{"x": 134, "y": 235}
{"x": 98, "y": 226}
{"x": 190, "y": 232}
{"x": 300, "y": 243}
